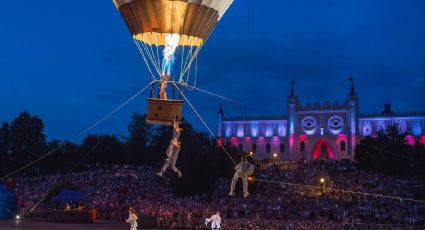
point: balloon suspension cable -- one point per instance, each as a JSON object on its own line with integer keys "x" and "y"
{"x": 144, "y": 58}
{"x": 187, "y": 66}
{"x": 192, "y": 87}
{"x": 66, "y": 175}
{"x": 150, "y": 56}
{"x": 205, "y": 124}
{"x": 157, "y": 50}
{"x": 212, "y": 94}
{"x": 2, "y": 205}
{"x": 340, "y": 190}
{"x": 79, "y": 134}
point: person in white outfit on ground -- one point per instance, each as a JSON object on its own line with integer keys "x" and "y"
{"x": 132, "y": 219}
{"x": 173, "y": 151}
{"x": 215, "y": 221}
{"x": 243, "y": 170}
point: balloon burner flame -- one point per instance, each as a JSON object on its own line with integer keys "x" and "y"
{"x": 171, "y": 43}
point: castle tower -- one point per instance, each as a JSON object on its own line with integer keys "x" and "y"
{"x": 353, "y": 118}
{"x": 291, "y": 106}
{"x": 220, "y": 119}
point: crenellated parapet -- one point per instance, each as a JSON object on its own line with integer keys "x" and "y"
{"x": 325, "y": 106}
{"x": 393, "y": 114}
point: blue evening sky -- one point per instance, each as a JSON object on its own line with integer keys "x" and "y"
{"x": 72, "y": 62}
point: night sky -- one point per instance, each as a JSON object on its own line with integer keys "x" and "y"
{"x": 72, "y": 62}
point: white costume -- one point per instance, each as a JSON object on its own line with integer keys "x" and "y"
{"x": 132, "y": 219}
{"x": 243, "y": 170}
{"x": 215, "y": 221}
{"x": 173, "y": 151}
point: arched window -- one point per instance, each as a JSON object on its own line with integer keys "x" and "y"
{"x": 240, "y": 148}
{"x": 254, "y": 148}
{"x": 268, "y": 148}
{"x": 302, "y": 146}
{"x": 342, "y": 146}
{"x": 282, "y": 148}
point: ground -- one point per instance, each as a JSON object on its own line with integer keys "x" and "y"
{"x": 40, "y": 225}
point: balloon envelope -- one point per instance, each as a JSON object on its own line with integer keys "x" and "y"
{"x": 150, "y": 20}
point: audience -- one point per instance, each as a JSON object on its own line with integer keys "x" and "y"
{"x": 113, "y": 188}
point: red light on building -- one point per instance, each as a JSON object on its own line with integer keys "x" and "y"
{"x": 410, "y": 140}
{"x": 422, "y": 140}
{"x": 303, "y": 137}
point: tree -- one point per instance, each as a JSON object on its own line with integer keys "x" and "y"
{"x": 387, "y": 152}
{"x": 139, "y": 138}
{"x": 28, "y": 140}
{"x": 5, "y": 148}
{"x": 104, "y": 149}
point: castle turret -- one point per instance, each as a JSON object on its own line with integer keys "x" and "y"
{"x": 353, "y": 110}
{"x": 220, "y": 119}
{"x": 291, "y": 107}
{"x": 387, "y": 108}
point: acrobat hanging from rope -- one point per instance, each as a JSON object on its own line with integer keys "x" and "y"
{"x": 243, "y": 170}
{"x": 173, "y": 151}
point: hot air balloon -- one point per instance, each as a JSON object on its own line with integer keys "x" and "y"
{"x": 168, "y": 33}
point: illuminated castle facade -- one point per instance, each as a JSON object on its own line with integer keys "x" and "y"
{"x": 328, "y": 131}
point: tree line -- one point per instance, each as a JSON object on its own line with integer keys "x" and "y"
{"x": 24, "y": 140}
{"x": 388, "y": 151}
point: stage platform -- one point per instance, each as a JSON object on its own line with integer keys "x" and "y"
{"x": 40, "y": 225}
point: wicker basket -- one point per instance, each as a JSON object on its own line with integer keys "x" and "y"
{"x": 162, "y": 112}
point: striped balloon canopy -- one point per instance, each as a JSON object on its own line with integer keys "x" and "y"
{"x": 171, "y": 24}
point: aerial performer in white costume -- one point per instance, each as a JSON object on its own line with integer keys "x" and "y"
{"x": 215, "y": 221}
{"x": 243, "y": 170}
{"x": 132, "y": 219}
{"x": 173, "y": 151}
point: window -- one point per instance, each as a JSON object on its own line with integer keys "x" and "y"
{"x": 268, "y": 148}
{"x": 254, "y": 148}
{"x": 302, "y": 146}
{"x": 240, "y": 148}
{"x": 342, "y": 146}
{"x": 282, "y": 148}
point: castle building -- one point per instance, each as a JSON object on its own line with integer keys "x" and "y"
{"x": 315, "y": 131}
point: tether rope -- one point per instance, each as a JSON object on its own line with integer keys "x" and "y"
{"x": 144, "y": 58}
{"x": 340, "y": 190}
{"x": 80, "y": 134}
{"x": 212, "y": 94}
{"x": 205, "y": 124}
{"x": 66, "y": 175}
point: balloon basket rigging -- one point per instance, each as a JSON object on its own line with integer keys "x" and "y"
{"x": 162, "y": 111}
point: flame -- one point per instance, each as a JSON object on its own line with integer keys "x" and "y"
{"x": 171, "y": 43}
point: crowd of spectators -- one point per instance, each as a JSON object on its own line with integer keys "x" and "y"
{"x": 113, "y": 188}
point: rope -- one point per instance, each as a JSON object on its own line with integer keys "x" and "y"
{"x": 144, "y": 58}
{"x": 200, "y": 47}
{"x": 66, "y": 175}
{"x": 198, "y": 50}
{"x": 157, "y": 49}
{"x": 205, "y": 124}
{"x": 212, "y": 94}
{"x": 6, "y": 208}
{"x": 80, "y": 134}
{"x": 151, "y": 57}
{"x": 340, "y": 190}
